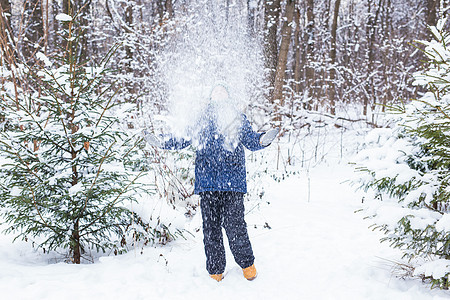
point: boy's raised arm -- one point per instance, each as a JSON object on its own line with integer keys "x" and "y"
{"x": 165, "y": 141}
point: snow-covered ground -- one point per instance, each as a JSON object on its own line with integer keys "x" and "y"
{"x": 316, "y": 248}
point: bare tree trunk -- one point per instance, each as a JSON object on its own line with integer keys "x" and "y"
{"x": 169, "y": 8}
{"x": 371, "y": 34}
{"x": 5, "y": 17}
{"x": 128, "y": 50}
{"x": 431, "y": 12}
{"x": 66, "y": 6}
{"x": 271, "y": 19}
{"x": 332, "y": 91}
{"x": 297, "y": 53}
{"x": 55, "y": 11}
{"x": 5, "y": 7}
{"x": 6, "y": 49}
{"x": 327, "y": 13}
{"x": 46, "y": 24}
{"x": 286, "y": 32}
{"x": 165, "y": 10}
{"x": 161, "y": 9}
{"x": 387, "y": 65}
{"x": 309, "y": 38}
{"x": 34, "y": 31}
{"x": 84, "y": 10}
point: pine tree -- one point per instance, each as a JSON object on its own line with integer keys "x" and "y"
{"x": 68, "y": 169}
{"x": 408, "y": 167}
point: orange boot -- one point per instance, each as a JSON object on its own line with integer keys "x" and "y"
{"x": 250, "y": 272}
{"x": 217, "y": 277}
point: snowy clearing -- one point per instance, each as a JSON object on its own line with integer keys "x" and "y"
{"x": 314, "y": 250}
{"x": 318, "y": 70}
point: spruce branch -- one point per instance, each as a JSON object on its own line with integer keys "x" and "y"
{"x": 96, "y": 177}
{"x": 37, "y": 209}
{"x": 109, "y": 206}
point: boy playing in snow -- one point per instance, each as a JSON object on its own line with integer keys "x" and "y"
{"x": 220, "y": 179}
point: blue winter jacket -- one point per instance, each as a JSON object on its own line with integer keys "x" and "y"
{"x": 217, "y": 169}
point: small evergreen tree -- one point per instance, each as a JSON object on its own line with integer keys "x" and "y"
{"x": 408, "y": 166}
{"x": 67, "y": 167}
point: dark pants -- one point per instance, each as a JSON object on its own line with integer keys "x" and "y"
{"x": 224, "y": 209}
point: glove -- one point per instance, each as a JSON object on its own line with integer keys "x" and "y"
{"x": 151, "y": 139}
{"x": 267, "y": 138}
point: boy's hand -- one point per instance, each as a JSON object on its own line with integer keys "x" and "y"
{"x": 151, "y": 139}
{"x": 267, "y": 138}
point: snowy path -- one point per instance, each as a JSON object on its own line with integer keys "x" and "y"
{"x": 315, "y": 250}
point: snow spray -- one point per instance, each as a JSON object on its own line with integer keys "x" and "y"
{"x": 210, "y": 47}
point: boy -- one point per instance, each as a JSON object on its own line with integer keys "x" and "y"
{"x": 220, "y": 179}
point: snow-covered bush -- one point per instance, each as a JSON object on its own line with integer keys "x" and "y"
{"x": 408, "y": 167}
{"x": 68, "y": 168}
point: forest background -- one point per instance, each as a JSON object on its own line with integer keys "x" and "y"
{"x": 297, "y": 65}
{"x": 327, "y": 56}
